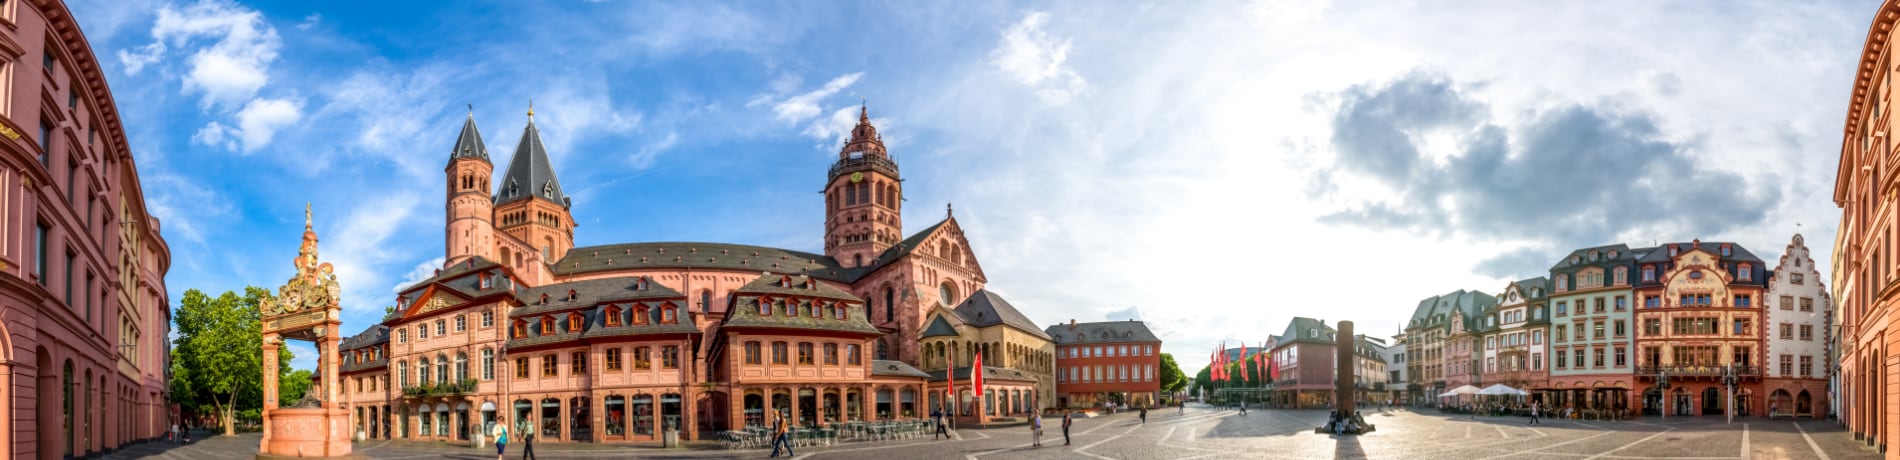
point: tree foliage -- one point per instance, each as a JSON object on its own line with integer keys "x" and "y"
{"x": 1171, "y": 378}
{"x": 1204, "y": 380}
{"x": 218, "y": 357}
{"x": 292, "y": 387}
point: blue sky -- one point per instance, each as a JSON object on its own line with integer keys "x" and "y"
{"x": 1212, "y": 167}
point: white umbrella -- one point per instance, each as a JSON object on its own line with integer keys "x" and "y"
{"x": 1466, "y": 390}
{"x": 1501, "y": 390}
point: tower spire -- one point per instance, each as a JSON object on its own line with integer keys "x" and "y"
{"x": 530, "y": 110}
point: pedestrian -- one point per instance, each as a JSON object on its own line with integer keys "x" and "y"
{"x": 1035, "y": 429}
{"x": 1144, "y": 415}
{"x": 1183, "y": 406}
{"x": 781, "y": 434}
{"x": 1243, "y": 407}
{"x": 941, "y": 431}
{"x": 1533, "y": 413}
{"x": 500, "y": 432}
{"x": 173, "y": 434}
{"x": 527, "y": 442}
{"x": 1067, "y": 418}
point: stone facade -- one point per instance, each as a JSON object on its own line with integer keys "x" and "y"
{"x": 621, "y": 342}
{"x": 84, "y": 312}
{"x": 1701, "y": 316}
{"x": 1515, "y": 331}
{"x": 1799, "y": 313}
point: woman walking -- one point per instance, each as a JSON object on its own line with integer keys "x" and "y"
{"x": 500, "y": 432}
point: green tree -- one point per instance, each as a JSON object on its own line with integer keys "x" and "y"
{"x": 219, "y": 347}
{"x": 292, "y": 387}
{"x": 1236, "y": 378}
{"x": 1253, "y": 374}
{"x": 1203, "y": 380}
{"x": 1171, "y": 378}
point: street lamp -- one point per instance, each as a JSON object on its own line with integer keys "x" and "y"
{"x": 1728, "y": 379}
{"x": 1662, "y": 386}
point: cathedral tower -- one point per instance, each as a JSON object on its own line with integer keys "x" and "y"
{"x": 863, "y": 199}
{"x": 529, "y": 205}
{"x": 470, "y": 221}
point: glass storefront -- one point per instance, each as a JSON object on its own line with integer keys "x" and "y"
{"x": 643, "y": 415}
{"x": 616, "y": 415}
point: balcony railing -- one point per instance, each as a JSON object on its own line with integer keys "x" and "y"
{"x": 878, "y": 163}
{"x": 426, "y": 389}
{"x": 1697, "y": 371}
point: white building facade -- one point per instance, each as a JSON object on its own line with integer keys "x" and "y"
{"x": 1799, "y": 314}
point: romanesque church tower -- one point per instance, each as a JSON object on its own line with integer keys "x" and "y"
{"x": 863, "y": 199}
{"x": 529, "y": 204}
{"x": 470, "y": 219}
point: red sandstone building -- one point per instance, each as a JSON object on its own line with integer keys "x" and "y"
{"x": 1699, "y": 318}
{"x": 622, "y": 342}
{"x": 1864, "y": 251}
{"x": 1106, "y": 361}
{"x": 84, "y": 313}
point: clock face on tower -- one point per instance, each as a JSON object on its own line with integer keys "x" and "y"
{"x": 857, "y": 177}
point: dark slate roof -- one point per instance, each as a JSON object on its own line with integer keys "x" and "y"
{"x": 985, "y": 308}
{"x": 896, "y": 368}
{"x": 461, "y": 278}
{"x": 744, "y": 310}
{"x": 1436, "y": 305}
{"x": 1624, "y": 257}
{"x": 730, "y": 257}
{"x": 1106, "y": 331}
{"x": 590, "y": 293}
{"x": 597, "y": 323}
{"x": 366, "y": 365}
{"x": 963, "y": 375}
{"x": 374, "y": 335}
{"x": 469, "y": 144}
{"x": 530, "y": 174}
{"x": 1534, "y": 288}
{"x": 939, "y": 327}
{"x": 1297, "y": 330}
{"x": 1737, "y": 254}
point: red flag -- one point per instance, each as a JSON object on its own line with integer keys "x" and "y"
{"x": 976, "y": 377}
{"x": 950, "y": 380}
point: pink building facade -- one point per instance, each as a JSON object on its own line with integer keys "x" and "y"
{"x": 622, "y": 342}
{"x": 83, "y": 308}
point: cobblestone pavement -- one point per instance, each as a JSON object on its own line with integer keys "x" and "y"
{"x": 1205, "y": 433}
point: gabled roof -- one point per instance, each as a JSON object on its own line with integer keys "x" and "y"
{"x": 469, "y": 144}
{"x": 940, "y": 327}
{"x": 1534, "y": 288}
{"x": 530, "y": 173}
{"x": 744, "y": 309}
{"x": 1300, "y": 329}
{"x": 725, "y": 256}
{"x": 1581, "y": 258}
{"x": 590, "y": 293}
{"x": 375, "y": 334}
{"x": 896, "y": 369}
{"x": 984, "y": 308}
{"x": 1106, "y": 331}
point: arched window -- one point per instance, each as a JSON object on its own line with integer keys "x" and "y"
{"x": 402, "y": 372}
{"x": 890, "y": 299}
{"x": 461, "y": 366}
{"x": 422, "y": 369}
{"x": 948, "y": 291}
{"x": 488, "y": 364}
{"x": 705, "y": 300}
{"x": 441, "y": 368}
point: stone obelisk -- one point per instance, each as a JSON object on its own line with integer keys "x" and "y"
{"x": 1344, "y": 398}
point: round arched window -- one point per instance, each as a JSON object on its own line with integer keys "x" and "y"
{"x": 948, "y": 292}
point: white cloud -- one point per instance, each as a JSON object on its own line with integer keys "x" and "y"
{"x": 643, "y": 158}
{"x": 357, "y": 245}
{"x": 310, "y": 21}
{"x": 422, "y": 271}
{"x": 1030, "y": 56}
{"x": 235, "y": 64}
{"x": 182, "y": 205}
{"x": 804, "y": 106}
{"x": 216, "y": 135}
{"x": 261, "y": 118}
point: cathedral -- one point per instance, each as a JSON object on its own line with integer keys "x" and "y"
{"x": 625, "y": 342}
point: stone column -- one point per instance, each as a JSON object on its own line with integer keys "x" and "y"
{"x": 271, "y": 342}
{"x": 1343, "y": 384}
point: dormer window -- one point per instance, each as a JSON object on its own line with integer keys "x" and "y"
{"x": 640, "y": 313}
{"x": 811, "y": 310}
{"x": 1725, "y": 250}
{"x": 1672, "y": 250}
{"x": 839, "y": 310}
{"x": 544, "y": 298}
{"x": 786, "y": 310}
{"x": 1309, "y": 333}
{"x": 785, "y": 281}
{"x": 613, "y": 316}
{"x": 547, "y": 325}
{"x": 667, "y": 314}
{"x": 573, "y": 322}
{"x": 765, "y": 307}
{"x": 640, "y": 285}
{"x": 1593, "y": 256}
{"x": 571, "y": 295}
{"x": 1745, "y": 272}
{"x": 1612, "y": 253}
{"x": 486, "y": 281}
{"x": 521, "y": 329}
